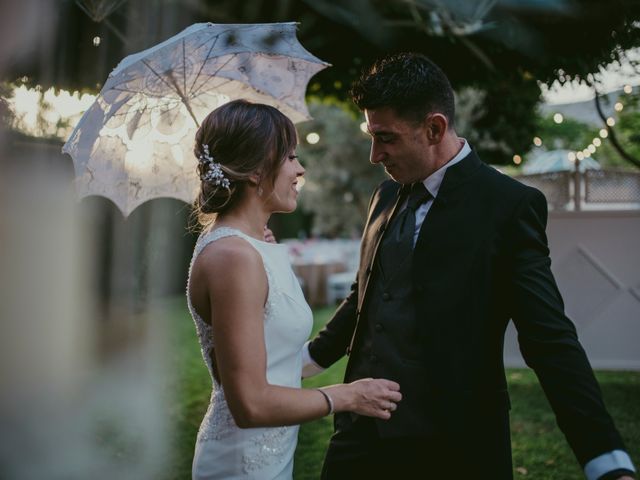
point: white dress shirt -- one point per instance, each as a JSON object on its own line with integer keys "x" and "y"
{"x": 432, "y": 184}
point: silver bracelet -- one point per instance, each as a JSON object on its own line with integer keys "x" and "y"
{"x": 328, "y": 399}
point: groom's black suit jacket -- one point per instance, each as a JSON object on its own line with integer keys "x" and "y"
{"x": 481, "y": 259}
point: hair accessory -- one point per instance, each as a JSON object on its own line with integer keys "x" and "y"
{"x": 328, "y": 399}
{"x": 214, "y": 172}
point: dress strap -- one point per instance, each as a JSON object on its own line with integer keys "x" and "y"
{"x": 217, "y": 234}
{"x": 223, "y": 232}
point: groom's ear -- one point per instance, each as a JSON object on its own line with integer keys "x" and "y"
{"x": 436, "y": 126}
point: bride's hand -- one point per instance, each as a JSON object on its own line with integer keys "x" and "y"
{"x": 269, "y": 236}
{"x": 370, "y": 397}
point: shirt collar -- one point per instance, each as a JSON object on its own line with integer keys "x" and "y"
{"x": 432, "y": 182}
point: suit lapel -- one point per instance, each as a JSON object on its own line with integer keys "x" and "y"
{"x": 450, "y": 193}
{"x": 374, "y": 235}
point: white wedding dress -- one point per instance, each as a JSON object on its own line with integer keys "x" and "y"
{"x": 224, "y": 451}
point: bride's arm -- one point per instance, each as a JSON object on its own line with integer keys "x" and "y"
{"x": 237, "y": 287}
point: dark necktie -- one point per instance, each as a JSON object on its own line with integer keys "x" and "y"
{"x": 398, "y": 242}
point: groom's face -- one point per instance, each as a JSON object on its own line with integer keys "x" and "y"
{"x": 400, "y": 145}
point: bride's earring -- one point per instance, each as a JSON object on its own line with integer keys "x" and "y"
{"x": 260, "y": 191}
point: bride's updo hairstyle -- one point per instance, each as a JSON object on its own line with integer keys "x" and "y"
{"x": 235, "y": 141}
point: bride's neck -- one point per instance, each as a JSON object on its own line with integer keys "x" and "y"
{"x": 248, "y": 217}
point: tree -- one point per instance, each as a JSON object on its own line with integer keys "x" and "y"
{"x": 571, "y": 134}
{"x": 500, "y": 48}
{"x": 339, "y": 177}
{"x": 627, "y": 136}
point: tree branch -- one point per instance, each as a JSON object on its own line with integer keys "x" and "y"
{"x": 612, "y": 136}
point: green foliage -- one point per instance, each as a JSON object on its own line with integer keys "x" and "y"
{"x": 627, "y": 131}
{"x": 571, "y": 134}
{"x": 540, "y": 450}
{"x": 189, "y": 392}
{"x": 339, "y": 177}
{"x": 314, "y": 436}
{"x": 501, "y": 48}
{"x": 574, "y": 135}
{"x": 508, "y": 120}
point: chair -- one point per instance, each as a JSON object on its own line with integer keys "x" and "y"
{"x": 339, "y": 286}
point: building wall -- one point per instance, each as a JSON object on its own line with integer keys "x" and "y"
{"x": 596, "y": 262}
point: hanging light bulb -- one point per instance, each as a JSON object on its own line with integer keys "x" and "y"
{"x": 313, "y": 138}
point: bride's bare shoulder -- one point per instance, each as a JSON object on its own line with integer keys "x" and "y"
{"x": 228, "y": 257}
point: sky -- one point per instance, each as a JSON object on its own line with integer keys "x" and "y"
{"x": 610, "y": 79}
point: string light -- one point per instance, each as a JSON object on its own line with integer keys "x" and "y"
{"x": 313, "y": 138}
{"x": 517, "y": 159}
{"x": 96, "y": 41}
{"x": 597, "y": 142}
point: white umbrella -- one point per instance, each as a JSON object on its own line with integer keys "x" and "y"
{"x": 136, "y": 141}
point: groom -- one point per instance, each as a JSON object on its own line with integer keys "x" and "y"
{"x": 452, "y": 250}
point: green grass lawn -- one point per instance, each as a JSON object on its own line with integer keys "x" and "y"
{"x": 539, "y": 449}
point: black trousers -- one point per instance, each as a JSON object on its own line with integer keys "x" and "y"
{"x": 359, "y": 452}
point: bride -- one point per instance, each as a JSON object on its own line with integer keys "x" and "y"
{"x": 250, "y": 315}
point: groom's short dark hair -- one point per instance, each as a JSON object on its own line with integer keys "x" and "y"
{"x": 409, "y": 83}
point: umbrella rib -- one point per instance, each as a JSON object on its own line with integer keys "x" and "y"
{"x": 146, "y": 64}
{"x": 184, "y": 99}
{"x": 214, "y": 74}
{"x": 85, "y": 10}
{"x": 169, "y": 112}
{"x": 147, "y": 94}
{"x": 213, "y": 88}
{"x": 184, "y": 68}
{"x": 175, "y": 103}
{"x": 207, "y": 58}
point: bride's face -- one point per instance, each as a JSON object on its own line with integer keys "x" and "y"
{"x": 284, "y": 197}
